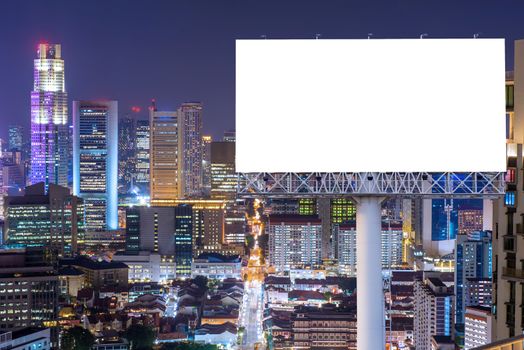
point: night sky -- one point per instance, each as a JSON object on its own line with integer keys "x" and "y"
{"x": 178, "y": 51}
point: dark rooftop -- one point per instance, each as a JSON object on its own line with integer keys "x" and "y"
{"x": 85, "y": 262}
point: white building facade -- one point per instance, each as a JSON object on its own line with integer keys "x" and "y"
{"x": 295, "y": 241}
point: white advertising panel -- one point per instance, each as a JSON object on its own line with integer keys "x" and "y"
{"x": 374, "y": 105}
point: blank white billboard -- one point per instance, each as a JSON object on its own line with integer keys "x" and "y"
{"x": 374, "y": 105}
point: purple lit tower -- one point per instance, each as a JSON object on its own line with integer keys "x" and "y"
{"x": 49, "y": 131}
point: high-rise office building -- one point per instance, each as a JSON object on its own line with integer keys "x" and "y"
{"x": 29, "y": 289}
{"x": 508, "y": 224}
{"x": 164, "y": 157}
{"x": 142, "y": 157}
{"x": 150, "y": 243}
{"x": 54, "y": 219}
{"x": 95, "y": 162}
{"x": 190, "y": 129}
{"x": 433, "y": 314}
{"x": 235, "y": 223}
{"x": 473, "y": 259}
{"x": 49, "y": 128}
{"x": 173, "y": 235}
{"x": 223, "y": 177}
{"x": 13, "y": 178}
{"x": 150, "y": 229}
{"x": 208, "y": 226}
{"x": 183, "y": 240}
{"x": 15, "y": 140}
{"x": 206, "y": 165}
{"x": 294, "y": 241}
{"x": 345, "y": 243}
{"x": 126, "y": 153}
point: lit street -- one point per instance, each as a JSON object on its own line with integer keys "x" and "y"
{"x": 251, "y": 317}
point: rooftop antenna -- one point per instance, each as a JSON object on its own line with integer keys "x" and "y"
{"x": 424, "y": 35}
{"x": 317, "y": 36}
{"x": 370, "y": 35}
{"x": 476, "y": 35}
{"x": 153, "y": 105}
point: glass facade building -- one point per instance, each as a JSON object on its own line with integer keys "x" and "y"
{"x": 15, "y": 138}
{"x": 126, "y": 153}
{"x": 54, "y": 220}
{"x": 183, "y": 240}
{"x": 95, "y": 162}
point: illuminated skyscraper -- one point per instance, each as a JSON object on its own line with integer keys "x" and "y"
{"x": 183, "y": 240}
{"x": 142, "y": 156}
{"x": 190, "y": 129}
{"x": 223, "y": 176}
{"x": 49, "y": 118}
{"x": 95, "y": 162}
{"x": 126, "y": 153}
{"x": 164, "y": 157}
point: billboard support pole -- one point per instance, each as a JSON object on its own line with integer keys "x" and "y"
{"x": 370, "y": 289}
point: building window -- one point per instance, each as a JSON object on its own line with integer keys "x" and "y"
{"x": 509, "y": 243}
{"x": 510, "y": 93}
{"x": 510, "y": 175}
{"x": 509, "y": 199}
{"x": 510, "y": 316}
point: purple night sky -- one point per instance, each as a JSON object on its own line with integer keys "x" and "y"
{"x": 178, "y": 51}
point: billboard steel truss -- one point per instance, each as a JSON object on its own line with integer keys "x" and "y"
{"x": 404, "y": 184}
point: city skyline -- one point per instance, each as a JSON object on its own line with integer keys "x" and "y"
{"x": 135, "y": 216}
{"x": 192, "y": 58}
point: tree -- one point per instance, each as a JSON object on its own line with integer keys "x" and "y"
{"x": 140, "y": 337}
{"x": 347, "y": 284}
{"x": 201, "y": 282}
{"x": 212, "y": 283}
{"x": 77, "y": 338}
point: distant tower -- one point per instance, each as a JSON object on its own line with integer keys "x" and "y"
{"x": 206, "y": 165}
{"x": 95, "y": 162}
{"x": 15, "y": 140}
{"x": 49, "y": 118}
{"x": 126, "y": 154}
{"x": 142, "y": 157}
{"x": 190, "y": 128}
